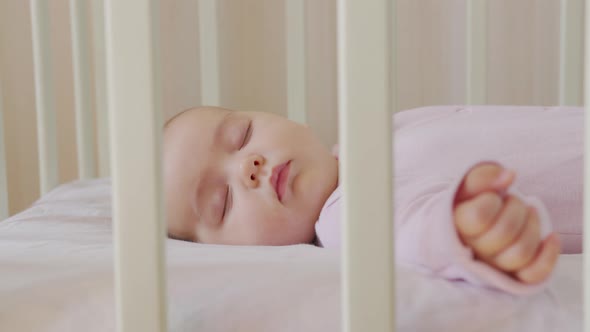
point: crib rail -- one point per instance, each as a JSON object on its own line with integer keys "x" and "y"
{"x": 209, "y": 50}
{"x": 82, "y": 83}
{"x": 586, "y": 273}
{"x": 365, "y": 112}
{"x": 44, "y": 97}
{"x": 135, "y": 132}
{"x": 570, "y": 52}
{"x": 296, "y": 60}
{"x": 102, "y": 118}
{"x": 476, "y": 45}
{"x": 3, "y": 183}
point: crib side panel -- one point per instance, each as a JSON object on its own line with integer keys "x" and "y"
{"x": 135, "y": 134}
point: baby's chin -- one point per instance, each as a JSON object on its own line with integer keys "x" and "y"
{"x": 302, "y": 238}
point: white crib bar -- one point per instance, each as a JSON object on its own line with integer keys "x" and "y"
{"x": 296, "y": 65}
{"x": 100, "y": 104}
{"x": 570, "y": 52}
{"x": 84, "y": 117}
{"x": 3, "y": 183}
{"x": 46, "y": 126}
{"x": 135, "y": 132}
{"x": 476, "y": 45}
{"x": 586, "y": 245}
{"x": 209, "y": 52}
{"x": 366, "y": 168}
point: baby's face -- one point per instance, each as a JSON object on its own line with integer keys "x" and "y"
{"x": 244, "y": 178}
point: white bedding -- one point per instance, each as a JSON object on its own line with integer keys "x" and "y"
{"x": 56, "y": 275}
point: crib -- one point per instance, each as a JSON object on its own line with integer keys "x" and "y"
{"x": 131, "y": 130}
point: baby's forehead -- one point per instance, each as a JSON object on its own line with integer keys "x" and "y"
{"x": 192, "y": 127}
{"x": 192, "y": 136}
{"x": 204, "y": 115}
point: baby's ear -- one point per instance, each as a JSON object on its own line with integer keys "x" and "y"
{"x": 335, "y": 150}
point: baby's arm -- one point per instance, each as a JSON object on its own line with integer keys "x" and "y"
{"x": 435, "y": 232}
{"x": 501, "y": 229}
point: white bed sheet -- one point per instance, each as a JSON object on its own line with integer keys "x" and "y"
{"x": 56, "y": 275}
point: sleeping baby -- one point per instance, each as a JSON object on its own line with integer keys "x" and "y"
{"x": 480, "y": 193}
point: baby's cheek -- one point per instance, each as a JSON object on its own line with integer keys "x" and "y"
{"x": 307, "y": 189}
{"x": 260, "y": 212}
{"x": 264, "y": 228}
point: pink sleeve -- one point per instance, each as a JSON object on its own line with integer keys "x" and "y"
{"x": 426, "y": 237}
{"x": 327, "y": 228}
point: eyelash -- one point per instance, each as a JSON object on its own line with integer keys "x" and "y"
{"x": 247, "y": 135}
{"x": 227, "y": 192}
{"x": 226, "y": 205}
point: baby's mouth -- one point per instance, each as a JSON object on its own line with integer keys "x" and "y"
{"x": 279, "y": 179}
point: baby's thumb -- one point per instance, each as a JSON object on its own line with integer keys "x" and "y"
{"x": 489, "y": 177}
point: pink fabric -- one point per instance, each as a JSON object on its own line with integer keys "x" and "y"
{"x": 436, "y": 146}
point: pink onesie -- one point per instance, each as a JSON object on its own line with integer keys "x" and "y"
{"x": 436, "y": 146}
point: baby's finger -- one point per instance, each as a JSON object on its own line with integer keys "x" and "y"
{"x": 508, "y": 225}
{"x": 522, "y": 251}
{"x": 540, "y": 268}
{"x": 475, "y": 216}
{"x": 482, "y": 178}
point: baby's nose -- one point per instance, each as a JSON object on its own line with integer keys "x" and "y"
{"x": 250, "y": 170}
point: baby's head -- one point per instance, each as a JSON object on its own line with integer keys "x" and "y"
{"x": 246, "y": 178}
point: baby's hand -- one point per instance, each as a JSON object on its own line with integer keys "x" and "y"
{"x": 501, "y": 229}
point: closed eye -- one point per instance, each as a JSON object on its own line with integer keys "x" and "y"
{"x": 227, "y": 204}
{"x": 247, "y": 135}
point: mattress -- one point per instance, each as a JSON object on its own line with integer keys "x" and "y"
{"x": 56, "y": 274}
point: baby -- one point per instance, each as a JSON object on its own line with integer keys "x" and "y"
{"x": 252, "y": 178}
